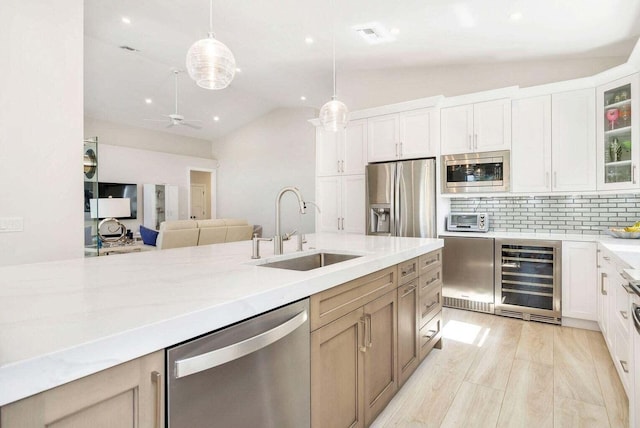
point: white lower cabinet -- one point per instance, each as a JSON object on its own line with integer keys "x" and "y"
{"x": 579, "y": 280}
{"x": 342, "y": 204}
{"x": 615, "y": 318}
{"x": 128, "y": 395}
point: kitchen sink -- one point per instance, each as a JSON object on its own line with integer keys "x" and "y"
{"x": 310, "y": 261}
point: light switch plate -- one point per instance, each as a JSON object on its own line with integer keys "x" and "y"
{"x": 11, "y": 224}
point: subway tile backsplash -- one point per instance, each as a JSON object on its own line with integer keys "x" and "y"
{"x": 583, "y": 214}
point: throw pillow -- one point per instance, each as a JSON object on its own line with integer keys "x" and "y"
{"x": 149, "y": 236}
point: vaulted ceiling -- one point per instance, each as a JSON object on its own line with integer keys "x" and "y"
{"x": 278, "y": 66}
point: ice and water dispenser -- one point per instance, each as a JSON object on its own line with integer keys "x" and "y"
{"x": 380, "y": 218}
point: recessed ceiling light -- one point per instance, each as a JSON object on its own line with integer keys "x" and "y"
{"x": 148, "y": 100}
{"x": 216, "y": 118}
{"x": 238, "y": 70}
{"x": 395, "y": 31}
{"x": 308, "y": 40}
{"x": 126, "y": 20}
{"x": 303, "y": 98}
{"x": 374, "y": 33}
{"x": 515, "y": 16}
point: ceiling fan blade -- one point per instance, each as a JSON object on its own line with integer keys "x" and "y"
{"x": 190, "y": 125}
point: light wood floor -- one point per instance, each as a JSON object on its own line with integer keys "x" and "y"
{"x": 500, "y": 372}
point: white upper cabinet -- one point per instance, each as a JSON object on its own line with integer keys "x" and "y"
{"x": 405, "y": 135}
{"x": 341, "y": 152}
{"x": 573, "y": 135}
{"x": 618, "y": 150}
{"x": 531, "y": 145}
{"x": 554, "y": 146}
{"x": 417, "y": 134}
{"x": 479, "y": 127}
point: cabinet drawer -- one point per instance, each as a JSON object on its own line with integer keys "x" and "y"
{"x": 430, "y": 278}
{"x": 430, "y": 260}
{"x": 430, "y": 303}
{"x": 622, "y": 307}
{"x": 430, "y": 334}
{"x": 622, "y": 357}
{"x": 407, "y": 271}
{"x": 331, "y": 304}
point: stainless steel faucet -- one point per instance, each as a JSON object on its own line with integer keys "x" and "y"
{"x": 277, "y": 240}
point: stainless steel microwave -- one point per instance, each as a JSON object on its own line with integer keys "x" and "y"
{"x": 476, "y": 172}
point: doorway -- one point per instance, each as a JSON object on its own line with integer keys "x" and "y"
{"x": 201, "y": 194}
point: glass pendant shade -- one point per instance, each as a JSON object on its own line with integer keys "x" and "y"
{"x": 334, "y": 115}
{"x": 211, "y": 64}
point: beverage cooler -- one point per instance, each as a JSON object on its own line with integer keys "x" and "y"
{"x": 528, "y": 279}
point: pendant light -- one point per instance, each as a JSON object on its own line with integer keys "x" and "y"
{"x": 334, "y": 115}
{"x": 210, "y": 62}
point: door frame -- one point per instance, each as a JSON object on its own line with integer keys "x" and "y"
{"x": 213, "y": 189}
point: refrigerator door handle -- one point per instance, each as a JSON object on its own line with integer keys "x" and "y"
{"x": 396, "y": 200}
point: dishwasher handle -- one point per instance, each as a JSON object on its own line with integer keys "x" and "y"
{"x": 199, "y": 363}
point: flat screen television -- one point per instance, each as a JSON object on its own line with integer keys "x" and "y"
{"x": 116, "y": 190}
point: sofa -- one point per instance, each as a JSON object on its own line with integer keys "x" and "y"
{"x": 189, "y": 233}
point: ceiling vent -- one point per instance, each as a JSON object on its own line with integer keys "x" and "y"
{"x": 374, "y": 33}
{"x": 129, "y": 48}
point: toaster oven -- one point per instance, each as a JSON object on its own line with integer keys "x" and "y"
{"x": 468, "y": 222}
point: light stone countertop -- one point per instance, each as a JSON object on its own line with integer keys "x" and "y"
{"x": 60, "y": 321}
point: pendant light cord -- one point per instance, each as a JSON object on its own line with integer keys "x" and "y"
{"x": 211, "y": 19}
{"x": 334, "y": 47}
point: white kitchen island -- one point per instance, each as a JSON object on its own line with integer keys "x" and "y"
{"x": 61, "y": 321}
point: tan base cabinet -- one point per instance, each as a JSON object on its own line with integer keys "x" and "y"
{"x": 368, "y": 336}
{"x": 353, "y": 350}
{"x": 127, "y": 395}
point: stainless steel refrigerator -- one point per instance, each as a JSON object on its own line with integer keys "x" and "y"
{"x": 401, "y": 198}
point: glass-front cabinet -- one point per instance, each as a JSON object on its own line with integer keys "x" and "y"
{"x": 618, "y": 151}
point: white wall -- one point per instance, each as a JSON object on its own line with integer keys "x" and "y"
{"x": 118, "y": 134}
{"x": 41, "y": 109}
{"x": 127, "y": 165}
{"x": 372, "y": 88}
{"x": 256, "y": 161}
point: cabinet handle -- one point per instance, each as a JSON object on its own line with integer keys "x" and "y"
{"x": 156, "y": 378}
{"x": 633, "y": 173}
{"x": 431, "y": 261}
{"x": 397, "y": 150}
{"x": 432, "y": 280}
{"x": 400, "y": 148}
{"x": 624, "y": 366}
{"x": 606, "y": 258}
{"x": 555, "y": 179}
{"x": 624, "y": 315}
{"x": 408, "y": 291}
{"x": 430, "y": 334}
{"x": 412, "y": 269}
{"x": 338, "y": 166}
{"x": 475, "y": 141}
{"x": 342, "y": 227}
{"x": 603, "y": 275}
{"x": 427, "y": 307}
{"x": 342, "y": 166}
{"x": 363, "y": 320}
{"x": 370, "y": 330}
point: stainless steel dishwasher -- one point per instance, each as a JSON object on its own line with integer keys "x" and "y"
{"x": 253, "y": 374}
{"x": 467, "y": 273}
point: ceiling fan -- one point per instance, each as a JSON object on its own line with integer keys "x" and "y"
{"x": 176, "y": 119}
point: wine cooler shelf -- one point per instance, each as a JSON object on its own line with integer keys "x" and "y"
{"x": 528, "y": 278}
